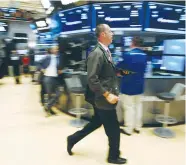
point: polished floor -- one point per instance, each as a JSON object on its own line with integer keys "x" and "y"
{"x": 27, "y": 137}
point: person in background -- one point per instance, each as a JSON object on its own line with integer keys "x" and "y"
{"x": 49, "y": 67}
{"x": 102, "y": 83}
{"x": 16, "y": 62}
{"x": 26, "y": 62}
{"x": 32, "y": 67}
{"x": 132, "y": 86}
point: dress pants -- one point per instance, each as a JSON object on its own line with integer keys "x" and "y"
{"x": 132, "y": 106}
{"x": 42, "y": 92}
{"x": 111, "y": 125}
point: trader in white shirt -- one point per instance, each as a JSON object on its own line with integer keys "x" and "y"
{"x": 49, "y": 67}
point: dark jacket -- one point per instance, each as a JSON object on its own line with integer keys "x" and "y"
{"x": 101, "y": 77}
{"x": 15, "y": 60}
{"x": 44, "y": 63}
{"x": 134, "y": 61}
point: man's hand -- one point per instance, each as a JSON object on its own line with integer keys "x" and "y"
{"x": 60, "y": 72}
{"x": 112, "y": 99}
{"x": 126, "y": 72}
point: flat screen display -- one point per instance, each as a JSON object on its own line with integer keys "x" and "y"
{"x": 127, "y": 41}
{"x": 76, "y": 20}
{"x": 173, "y": 63}
{"x": 3, "y": 27}
{"x": 174, "y": 47}
{"x": 44, "y": 38}
{"x": 165, "y": 18}
{"x": 119, "y": 16}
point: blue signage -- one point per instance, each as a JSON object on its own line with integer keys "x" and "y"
{"x": 165, "y": 18}
{"x": 126, "y": 16}
{"x": 76, "y": 20}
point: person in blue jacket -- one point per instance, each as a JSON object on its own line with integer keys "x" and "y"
{"x": 133, "y": 65}
{"x": 51, "y": 70}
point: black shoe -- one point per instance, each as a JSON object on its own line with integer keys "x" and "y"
{"x": 49, "y": 110}
{"x": 117, "y": 161}
{"x": 69, "y": 146}
{"x": 123, "y": 131}
{"x": 137, "y": 131}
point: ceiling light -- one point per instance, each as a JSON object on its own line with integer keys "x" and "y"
{"x": 46, "y": 3}
{"x": 66, "y": 2}
{"x": 49, "y": 11}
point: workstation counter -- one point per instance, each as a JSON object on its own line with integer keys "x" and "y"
{"x": 151, "y": 105}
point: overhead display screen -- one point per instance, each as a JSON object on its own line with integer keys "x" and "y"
{"x": 165, "y": 18}
{"x": 76, "y": 20}
{"x": 15, "y": 14}
{"x": 119, "y": 16}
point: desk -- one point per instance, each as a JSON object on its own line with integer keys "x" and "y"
{"x": 153, "y": 85}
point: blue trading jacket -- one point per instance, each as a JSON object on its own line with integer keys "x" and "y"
{"x": 44, "y": 63}
{"x": 134, "y": 63}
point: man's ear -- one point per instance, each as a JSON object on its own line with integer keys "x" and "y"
{"x": 103, "y": 34}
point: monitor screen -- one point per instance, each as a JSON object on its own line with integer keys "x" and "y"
{"x": 156, "y": 61}
{"x": 42, "y": 25}
{"x": 47, "y": 37}
{"x": 111, "y": 46}
{"x": 165, "y": 18}
{"x": 22, "y": 51}
{"x": 20, "y": 38}
{"x": 3, "y": 26}
{"x": 176, "y": 47}
{"x": 127, "y": 41}
{"x": 173, "y": 63}
{"x": 119, "y": 16}
{"x": 33, "y": 26}
{"x": 76, "y": 20}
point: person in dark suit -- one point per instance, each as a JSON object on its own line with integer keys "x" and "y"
{"x": 102, "y": 82}
{"x": 16, "y": 63}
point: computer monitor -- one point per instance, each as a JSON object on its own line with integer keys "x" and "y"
{"x": 173, "y": 64}
{"x": 24, "y": 51}
{"x": 174, "y": 47}
{"x": 3, "y": 26}
{"x": 156, "y": 61}
{"x": 127, "y": 40}
{"x": 111, "y": 46}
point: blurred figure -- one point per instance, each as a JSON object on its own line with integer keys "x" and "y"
{"x": 32, "y": 67}
{"x": 26, "y": 62}
{"x": 49, "y": 67}
{"x": 102, "y": 85}
{"x": 16, "y": 62}
{"x": 132, "y": 86}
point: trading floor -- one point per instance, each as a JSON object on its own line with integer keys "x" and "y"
{"x": 27, "y": 137}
